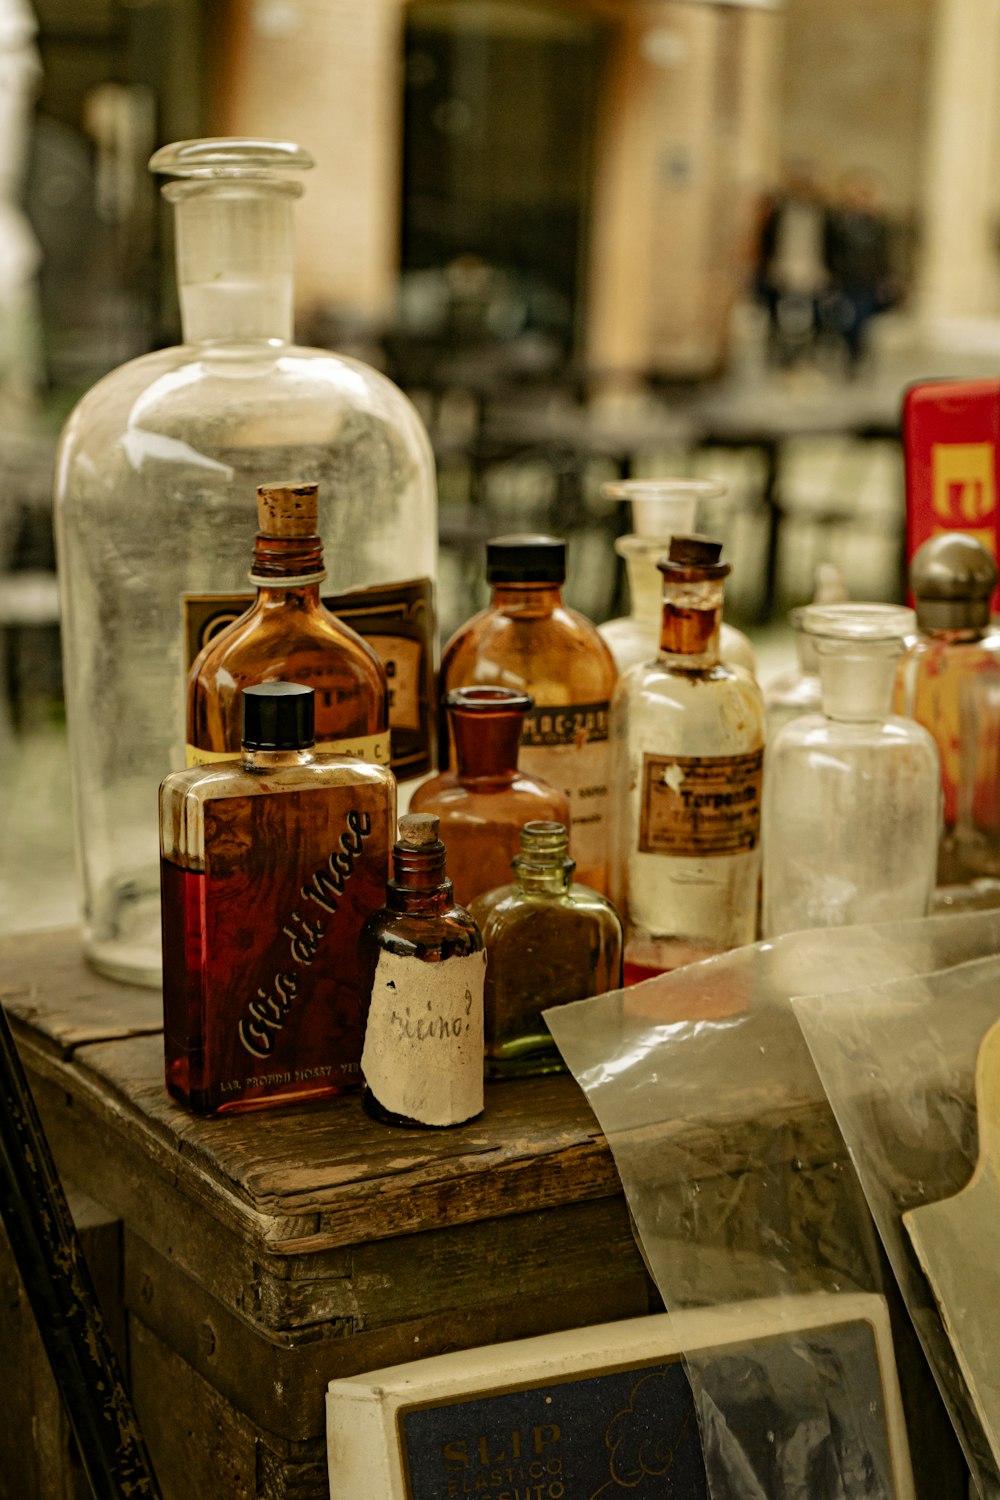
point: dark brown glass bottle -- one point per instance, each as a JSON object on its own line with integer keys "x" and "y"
{"x": 270, "y": 867}
{"x": 530, "y": 640}
{"x": 289, "y": 634}
{"x": 484, "y": 803}
{"x": 423, "y": 1052}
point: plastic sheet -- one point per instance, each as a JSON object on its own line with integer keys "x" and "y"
{"x": 739, "y": 1182}
{"x": 898, "y": 1062}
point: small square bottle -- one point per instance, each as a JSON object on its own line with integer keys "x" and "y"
{"x": 270, "y": 866}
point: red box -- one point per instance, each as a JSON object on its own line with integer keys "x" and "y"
{"x": 951, "y": 446}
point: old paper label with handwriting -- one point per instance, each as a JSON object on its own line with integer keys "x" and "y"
{"x": 423, "y": 1052}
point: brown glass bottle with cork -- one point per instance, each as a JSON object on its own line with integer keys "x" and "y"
{"x": 424, "y": 964}
{"x": 289, "y": 634}
{"x": 484, "y": 803}
{"x": 270, "y": 866}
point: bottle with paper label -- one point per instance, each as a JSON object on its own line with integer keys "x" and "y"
{"x": 289, "y": 633}
{"x": 687, "y": 737}
{"x": 530, "y": 641}
{"x": 423, "y": 1050}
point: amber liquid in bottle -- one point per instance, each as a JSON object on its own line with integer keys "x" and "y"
{"x": 270, "y": 866}
{"x": 288, "y": 634}
{"x": 424, "y": 962}
{"x": 484, "y": 803}
{"x": 529, "y": 640}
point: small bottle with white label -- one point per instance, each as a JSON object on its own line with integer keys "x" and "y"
{"x": 687, "y": 735}
{"x": 423, "y": 1050}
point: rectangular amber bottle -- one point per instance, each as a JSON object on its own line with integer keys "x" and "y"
{"x": 270, "y": 866}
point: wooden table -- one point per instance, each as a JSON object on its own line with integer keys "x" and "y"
{"x": 264, "y": 1254}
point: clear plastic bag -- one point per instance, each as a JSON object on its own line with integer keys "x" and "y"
{"x": 738, "y": 1179}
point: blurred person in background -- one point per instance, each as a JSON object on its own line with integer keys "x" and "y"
{"x": 856, "y": 252}
{"x": 791, "y": 273}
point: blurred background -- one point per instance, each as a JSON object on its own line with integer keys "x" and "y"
{"x": 591, "y": 238}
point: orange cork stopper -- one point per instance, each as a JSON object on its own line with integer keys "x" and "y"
{"x": 288, "y": 509}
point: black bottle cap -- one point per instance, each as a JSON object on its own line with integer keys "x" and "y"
{"x": 278, "y": 716}
{"x": 525, "y": 559}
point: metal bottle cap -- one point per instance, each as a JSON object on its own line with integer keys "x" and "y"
{"x": 278, "y": 716}
{"x": 952, "y": 577}
{"x": 525, "y": 559}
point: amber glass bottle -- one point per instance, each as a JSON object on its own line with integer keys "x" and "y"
{"x": 270, "y": 867}
{"x": 484, "y": 803}
{"x": 527, "y": 639}
{"x": 548, "y": 941}
{"x": 423, "y": 955}
{"x": 289, "y": 634}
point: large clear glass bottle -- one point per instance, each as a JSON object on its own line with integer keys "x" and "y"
{"x": 852, "y": 796}
{"x": 548, "y": 941}
{"x": 797, "y": 691}
{"x": 687, "y": 737}
{"x": 485, "y": 801}
{"x": 288, "y": 633}
{"x": 529, "y": 640}
{"x": 271, "y": 864}
{"x": 423, "y": 958}
{"x": 661, "y": 508}
{"x": 155, "y": 512}
{"x": 949, "y": 681}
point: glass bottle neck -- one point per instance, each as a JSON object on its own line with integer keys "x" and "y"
{"x": 691, "y": 623}
{"x": 275, "y": 760}
{"x": 283, "y": 564}
{"x": 549, "y": 880}
{"x": 486, "y": 745}
{"x": 645, "y": 584}
{"x": 419, "y": 884}
{"x": 528, "y": 600}
{"x": 856, "y": 681}
{"x": 234, "y": 252}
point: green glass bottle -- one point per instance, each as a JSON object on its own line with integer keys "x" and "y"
{"x": 547, "y": 941}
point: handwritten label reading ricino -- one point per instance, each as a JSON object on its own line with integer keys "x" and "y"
{"x": 423, "y": 1052}
{"x": 700, "y": 805}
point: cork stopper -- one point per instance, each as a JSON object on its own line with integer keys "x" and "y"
{"x": 692, "y": 558}
{"x": 289, "y": 509}
{"x": 417, "y": 830}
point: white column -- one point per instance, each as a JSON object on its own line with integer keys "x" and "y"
{"x": 959, "y": 274}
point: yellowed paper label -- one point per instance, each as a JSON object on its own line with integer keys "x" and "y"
{"x": 700, "y": 805}
{"x": 423, "y": 1051}
{"x": 375, "y": 748}
{"x": 567, "y": 745}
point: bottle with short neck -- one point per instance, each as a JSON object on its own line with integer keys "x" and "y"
{"x": 852, "y": 795}
{"x": 155, "y": 468}
{"x": 289, "y": 632}
{"x": 488, "y": 797}
{"x": 423, "y": 1052}
{"x": 687, "y": 738}
{"x": 949, "y": 681}
{"x": 548, "y": 941}
{"x": 270, "y": 865}
{"x": 529, "y": 639}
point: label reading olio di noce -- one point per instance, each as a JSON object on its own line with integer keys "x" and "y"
{"x": 700, "y": 806}
{"x": 423, "y": 1050}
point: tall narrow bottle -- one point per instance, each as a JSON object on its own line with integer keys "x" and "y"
{"x": 154, "y": 511}
{"x": 288, "y": 633}
{"x": 688, "y": 742}
{"x": 484, "y": 803}
{"x": 949, "y": 681}
{"x": 424, "y": 965}
{"x": 852, "y": 795}
{"x": 548, "y": 941}
{"x": 530, "y": 641}
{"x": 271, "y": 864}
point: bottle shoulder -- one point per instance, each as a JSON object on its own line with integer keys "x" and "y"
{"x": 229, "y": 778}
{"x": 429, "y": 936}
{"x": 561, "y": 657}
{"x": 261, "y": 637}
{"x": 817, "y": 732}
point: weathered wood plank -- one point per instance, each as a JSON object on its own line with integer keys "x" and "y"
{"x": 46, "y": 985}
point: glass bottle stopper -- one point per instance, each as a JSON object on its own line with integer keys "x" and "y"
{"x": 289, "y": 509}
{"x": 952, "y": 577}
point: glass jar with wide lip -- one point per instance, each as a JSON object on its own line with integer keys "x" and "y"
{"x": 661, "y": 508}
{"x": 155, "y": 513}
{"x": 852, "y": 796}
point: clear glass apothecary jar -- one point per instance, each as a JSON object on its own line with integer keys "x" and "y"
{"x": 852, "y": 799}
{"x": 155, "y": 518}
